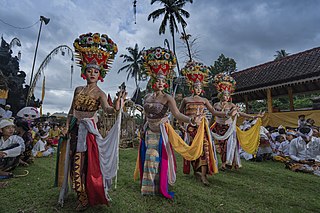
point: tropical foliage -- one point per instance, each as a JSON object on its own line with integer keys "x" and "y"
{"x": 282, "y": 103}
{"x": 223, "y": 64}
{"x": 280, "y": 54}
{"x": 134, "y": 64}
{"x": 173, "y": 13}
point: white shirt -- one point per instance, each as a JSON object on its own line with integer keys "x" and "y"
{"x": 264, "y": 132}
{"x": 7, "y": 114}
{"x": 300, "y": 150}
{"x": 46, "y": 129}
{"x": 40, "y": 146}
{"x": 274, "y": 135}
{"x": 284, "y": 147}
{"x": 13, "y": 139}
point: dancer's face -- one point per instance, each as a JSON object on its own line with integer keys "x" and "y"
{"x": 92, "y": 75}
{"x": 225, "y": 97}
{"x": 160, "y": 83}
{"x": 197, "y": 89}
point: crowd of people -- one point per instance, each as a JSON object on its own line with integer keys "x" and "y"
{"x": 90, "y": 162}
{"x": 22, "y": 142}
{"x": 298, "y": 148}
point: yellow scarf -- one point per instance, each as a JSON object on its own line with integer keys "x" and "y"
{"x": 189, "y": 153}
{"x": 249, "y": 140}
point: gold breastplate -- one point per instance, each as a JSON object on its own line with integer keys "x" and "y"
{"x": 194, "y": 108}
{"x": 84, "y": 102}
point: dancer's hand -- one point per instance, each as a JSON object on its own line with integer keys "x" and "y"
{"x": 182, "y": 129}
{"x": 261, "y": 114}
{"x": 198, "y": 118}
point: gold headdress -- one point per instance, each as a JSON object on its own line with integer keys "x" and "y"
{"x": 95, "y": 51}
{"x": 224, "y": 83}
{"x": 196, "y": 73}
{"x": 159, "y": 62}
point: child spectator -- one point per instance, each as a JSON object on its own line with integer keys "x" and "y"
{"x": 277, "y": 143}
{"x": 23, "y": 130}
{"x": 11, "y": 147}
{"x": 41, "y": 149}
{"x": 54, "y": 134}
{"x": 283, "y": 151}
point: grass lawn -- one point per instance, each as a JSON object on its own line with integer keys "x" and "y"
{"x": 257, "y": 187}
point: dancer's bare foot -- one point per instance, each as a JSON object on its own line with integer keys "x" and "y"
{"x": 81, "y": 208}
{"x": 204, "y": 180}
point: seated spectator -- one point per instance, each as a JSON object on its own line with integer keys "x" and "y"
{"x": 264, "y": 150}
{"x": 46, "y": 127}
{"x": 11, "y": 147}
{"x": 283, "y": 151}
{"x": 7, "y": 114}
{"x": 310, "y": 122}
{"x": 281, "y": 131}
{"x": 23, "y": 130}
{"x": 301, "y": 121}
{"x": 54, "y": 134}
{"x": 245, "y": 155}
{"x": 275, "y": 146}
{"x": 41, "y": 149}
{"x": 304, "y": 151}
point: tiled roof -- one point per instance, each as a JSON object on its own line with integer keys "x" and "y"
{"x": 291, "y": 68}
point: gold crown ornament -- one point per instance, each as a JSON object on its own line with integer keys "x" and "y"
{"x": 95, "y": 50}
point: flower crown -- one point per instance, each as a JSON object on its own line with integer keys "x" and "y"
{"x": 93, "y": 50}
{"x": 224, "y": 83}
{"x": 196, "y": 73}
{"x": 159, "y": 62}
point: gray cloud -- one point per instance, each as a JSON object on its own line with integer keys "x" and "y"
{"x": 250, "y": 31}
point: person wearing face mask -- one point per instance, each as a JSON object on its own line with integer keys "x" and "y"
{"x": 304, "y": 152}
{"x": 93, "y": 159}
{"x": 196, "y": 75}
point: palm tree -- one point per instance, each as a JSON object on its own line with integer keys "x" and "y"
{"x": 134, "y": 60}
{"x": 173, "y": 12}
{"x": 280, "y": 54}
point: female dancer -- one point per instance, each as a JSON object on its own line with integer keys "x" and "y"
{"x": 92, "y": 159}
{"x": 156, "y": 161}
{"x": 225, "y": 130}
{"x": 196, "y": 75}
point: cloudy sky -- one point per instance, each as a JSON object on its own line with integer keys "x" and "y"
{"x": 250, "y": 31}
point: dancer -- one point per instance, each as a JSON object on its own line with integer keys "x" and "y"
{"x": 156, "y": 161}
{"x": 196, "y": 75}
{"x": 93, "y": 159}
{"x": 225, "y": 130}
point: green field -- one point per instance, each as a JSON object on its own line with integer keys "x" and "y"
{"x": 257, "y": 187}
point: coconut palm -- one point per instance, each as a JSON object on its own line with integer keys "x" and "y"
{"x": 280, "y": 54}
{"x": 134, "y": 60}
{"x": 173, "y": 13}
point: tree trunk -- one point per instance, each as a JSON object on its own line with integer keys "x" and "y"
{"x": 187, "y": 42}
{"x": 174, "y": 51}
